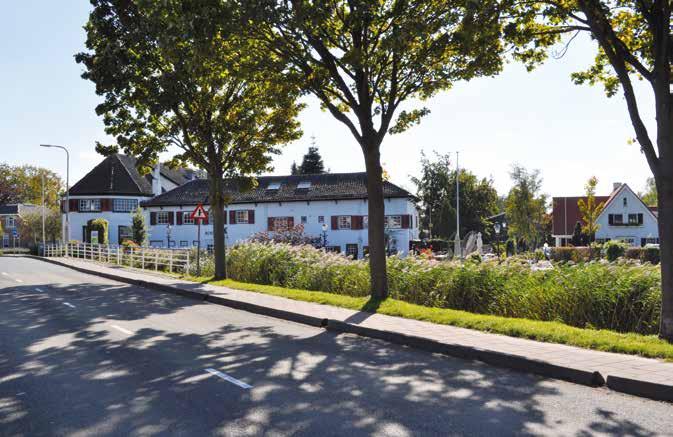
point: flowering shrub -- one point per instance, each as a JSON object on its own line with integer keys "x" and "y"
{"x": 625, "y": 297}
{"x": 294, "y": 236}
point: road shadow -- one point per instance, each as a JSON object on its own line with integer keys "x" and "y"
{"x": 306, "y": 381}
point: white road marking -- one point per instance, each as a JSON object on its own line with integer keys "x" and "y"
{"x": 69, "y": 304}
{"x": 39, "y": 289}
{"x": 18, "y": 280}
{"x": 228, "y": 378}
{"x": 125, "y": 331}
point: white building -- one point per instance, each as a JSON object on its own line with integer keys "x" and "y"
{"x": 338, "y": 200}
{"x": 624, "y": 217}
{"x": 112, "y": 191}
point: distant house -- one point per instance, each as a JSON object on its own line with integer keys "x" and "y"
{"x": 624, "y": 217}
{"x": 113, "y": 190}
{"x": 9, "y": 217}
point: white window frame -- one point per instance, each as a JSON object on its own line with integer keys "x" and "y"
{"x": 304, "y": 219}
{"x": 184, "y": 243}
{"x": 162, "y": 217}
{"x": 124, "y": 205}
{"x": 89, "y": 205}
{"x": 344, "y": 222}
{"x": 242, "y": 216}
{"x": 304, "y": 185}
{"x": 10, "y": 221}
{"x": 393, "y": 222}
{"x": 187, "y": 218}
{"x": 281, "y": 224}
{"x": 614, "y": 219}
{"x": 365, "y": 222}
{"x": 321, "y": 219}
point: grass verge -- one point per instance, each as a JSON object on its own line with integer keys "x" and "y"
{"x": 551, "y": 332}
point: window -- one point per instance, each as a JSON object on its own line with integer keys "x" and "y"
{"x": 635, "y": 219}
{"x": 304, "y": 185}
{"x": 89, "y": 205}
{"x": 335, "y": 249}
{"x": 615, "y": 219}
{"x": 279, "y": 224}
{"x": 625, "y": 202}
{"x": 352, "y": 250}
{"x": 162, "y": 217}
{"x": 242, "y": 216}
{"x": 124, "y": 233}
{"x": 184, "y": 243}
{"x": 156, "y": 243}
{"x": 187, "y": 218}
{"x": 321, "y": 219}
{"x": 365, "y": 222}
{"x": 344, "y": 222}
{"x": 393, "y": 221}
{"x": 273, "y": 186}
{"x": 195, "y": 243}
{"x": 10, "y": 221}
{"x": 124, "y": 205}
{"x": 304, "y": 219}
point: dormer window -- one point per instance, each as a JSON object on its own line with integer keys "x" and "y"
{"x": 304, "y": 185}
{"x": 273, "y": 186}
{"x": 625, "y": 202}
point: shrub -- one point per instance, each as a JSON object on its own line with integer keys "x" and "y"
{"x": 650, "y": 255}
{"x": 633, "y": 253}
{"x": 614, "y": 250}
{"x": 100, "y": 225}
{"x": 622, "y": 297}
{"x": 574, "y": 254}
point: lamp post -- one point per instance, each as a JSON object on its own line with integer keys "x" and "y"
{"x": 66, "y": 234}
{"x": 44, "y": 239}
{"x": 324, "y": 235}
{"x": 168, "y": 235}
{"x": 496, "y": 228}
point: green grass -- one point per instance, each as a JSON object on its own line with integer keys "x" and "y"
{"x": 551, "y": 332}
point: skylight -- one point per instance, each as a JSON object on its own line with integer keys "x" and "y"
{"x": 273, "y": 186}
{"x": 304, "y": 185}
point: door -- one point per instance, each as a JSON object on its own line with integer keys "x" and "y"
{"x": 352, "y": 250}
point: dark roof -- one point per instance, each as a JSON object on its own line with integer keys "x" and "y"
{"x": 117, "y": 174}
{"x": 328, "y": 186}
{"x": 566, "y": 213}
{"x": 9, "y": 209}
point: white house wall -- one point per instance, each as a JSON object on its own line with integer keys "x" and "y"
{"x": 631, "y": 233}
{"x": 186, "y": 234}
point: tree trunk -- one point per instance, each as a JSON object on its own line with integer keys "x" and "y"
{"x": 217, "y": 219}
{"x": 376, "y": 232}
{"x": 665, "y": 194}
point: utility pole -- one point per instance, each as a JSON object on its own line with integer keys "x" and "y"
{"x": 44, "y": 239}
{"x": 457, "y": 250}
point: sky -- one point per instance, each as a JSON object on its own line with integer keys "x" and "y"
{"x": 540, "y": 120}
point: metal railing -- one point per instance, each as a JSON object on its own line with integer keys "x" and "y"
{"x": 146, "y": 258}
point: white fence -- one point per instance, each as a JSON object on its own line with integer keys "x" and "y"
{"x": 147, "y": 258}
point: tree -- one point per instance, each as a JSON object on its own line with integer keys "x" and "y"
{"x": 590, "y": 210}
{"x": 436, "y": 190}
{"x": 364, "y": 59}
{"x": 294, "y": 170}
{"x": 650, "y": 195}
{"x": 634, "y": 42}
{"x": 30, "y": 227}
{"x": 178, "y": 75}
{"x": 139, "y": 227}
{"x": 23, "y": 184}
{"x": 311, "y": 163}
{"x": 525, "y": 206}
{"x": 578, "y": 236}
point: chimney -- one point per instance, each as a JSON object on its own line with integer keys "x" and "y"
{"x": 615, "y": 186}
{"x": 156, "y": 180}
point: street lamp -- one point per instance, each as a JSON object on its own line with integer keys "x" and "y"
{"x": 496, "y": 228}
{"x": 324, "y": 235}
{"x": 66, "y": 234}
{"x": 168, "y": 234}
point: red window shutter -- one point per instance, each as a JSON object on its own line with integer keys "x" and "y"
{"x": 153, "y": 218}
{"x": 251, "y": 216}
{"x": 104, "y": 205}
{"x": 356, "y": 222}
{"x": 74, "y": 205}
{"x": 232, "y": 217}
{"x": 405, "y": 221}
{"x": 270, "y": 224}
{"x": 224, "y": 217}
{"x": 178, "y": 218}
{"x": 335, "y": 222}
{"x": 290, "y": 222}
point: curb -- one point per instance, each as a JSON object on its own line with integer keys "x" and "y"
{"x": 651, "y": 390}
{"x": 659, "y": 392}
{"x": 498, "y": 359}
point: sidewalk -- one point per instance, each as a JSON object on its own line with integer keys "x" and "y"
{"x": 626, "y": 373}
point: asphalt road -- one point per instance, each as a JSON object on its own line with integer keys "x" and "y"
{"x": 82, "y": 355}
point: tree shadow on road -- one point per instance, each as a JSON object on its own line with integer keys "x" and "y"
{"x": 306, "y": 381}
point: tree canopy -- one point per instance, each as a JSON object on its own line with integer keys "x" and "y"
{"x": 364, "y": 60}
{"x": 178, "y": 76}
{"x": 311, "y": 163}
{"x": 590, "y": 209}
{"x": 23, "y": 184}
{"x": 525, "y": 206}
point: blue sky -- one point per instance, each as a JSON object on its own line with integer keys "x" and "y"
{"x": 539, "y": 120}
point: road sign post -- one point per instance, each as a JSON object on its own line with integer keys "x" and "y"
{"x": 199, "y": 214}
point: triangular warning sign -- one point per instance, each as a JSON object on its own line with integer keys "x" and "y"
{"x": 199, "y": 213}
